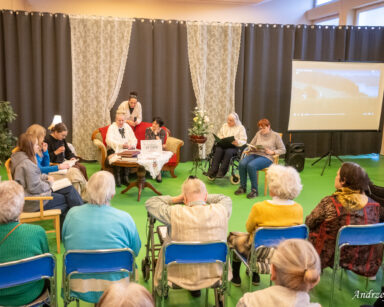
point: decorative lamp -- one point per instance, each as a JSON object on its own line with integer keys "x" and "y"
{"x": 56, "y": 119}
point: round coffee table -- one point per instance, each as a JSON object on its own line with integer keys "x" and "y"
{"x": 140, "y": 183}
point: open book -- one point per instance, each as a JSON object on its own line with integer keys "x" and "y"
{"x": 60, "y": 184}
{"x": 257, "y": 147}
{"x": 71, "y": 162}
{"x": 224, "y": 142}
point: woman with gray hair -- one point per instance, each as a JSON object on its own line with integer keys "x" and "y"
{"x": 124, "y": 294}
{"x": 281, "y": 211}
{"x": 18, "y": 241}
{"x": 224, "y": 152}
{"x": 97, "y": 225}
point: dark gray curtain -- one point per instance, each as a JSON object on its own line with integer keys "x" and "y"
{"x": 263, "y": 78}
{"x": 157, "y": 68}
{"x": 35, "y": 67}
{"x": 263, "y": 84}
{"x": 364, "y": 44}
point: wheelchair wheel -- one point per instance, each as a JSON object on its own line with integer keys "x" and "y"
{"x": 145, "y": 269}
{"x": 235, "y": 179}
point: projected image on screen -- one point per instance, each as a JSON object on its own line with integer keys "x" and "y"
{"x": 336, "y": 96}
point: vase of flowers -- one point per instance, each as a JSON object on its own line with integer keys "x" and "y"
{"x": 200, "y": 126}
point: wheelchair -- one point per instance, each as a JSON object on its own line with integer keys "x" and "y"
{"x": 155, "y": 240}
{"x": 233, "y": 163}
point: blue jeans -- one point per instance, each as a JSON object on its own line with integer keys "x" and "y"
{"x": 251, "y": 164}
{"x": 64, "y": 199}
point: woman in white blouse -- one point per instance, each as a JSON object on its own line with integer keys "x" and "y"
{"x": 223, "y": 153}
{"x": 132, "y": 110}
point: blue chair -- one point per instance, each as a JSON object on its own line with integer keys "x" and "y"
{"x": 94, "y": 262}
{"x": 195, "y": 253}
{"x": 269, "y": 237}
{"x": 355, "y": 235}
{"x": 19, "y": 272}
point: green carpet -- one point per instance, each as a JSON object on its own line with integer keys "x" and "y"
{"x": 315, "y": 187}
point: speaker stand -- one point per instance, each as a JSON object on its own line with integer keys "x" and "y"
{"x": 328, "y": 155}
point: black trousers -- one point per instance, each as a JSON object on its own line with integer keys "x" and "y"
{"x": 221, "y": 159}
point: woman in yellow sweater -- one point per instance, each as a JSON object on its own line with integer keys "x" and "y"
{"x": 284, "y": 186}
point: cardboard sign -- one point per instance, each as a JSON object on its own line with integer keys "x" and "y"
{"x": 151, "y": 146}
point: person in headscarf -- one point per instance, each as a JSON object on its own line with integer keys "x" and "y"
{"x": 223, "y": 152}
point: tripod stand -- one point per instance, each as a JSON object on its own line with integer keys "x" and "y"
{"x": 328, "y": 155}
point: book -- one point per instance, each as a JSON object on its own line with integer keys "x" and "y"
{"x": 60, "y": 184}
{"x": 224, "y": 142}
{"x": 71, "y": 163}
{"x": 133, "y": 160}
{"x": 128, "y": 153}
{"x": 257, "y": 147}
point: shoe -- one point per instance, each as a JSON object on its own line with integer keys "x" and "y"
{"x": 255, "y": 279}
{"x": 236, "y": 281}
{"x": 196, "y": 293}
{"x": 240, "y": 190}
{"x": 158, "y": 179}
{"x": 211, "y": 178}
{"x": 252, "y": 194}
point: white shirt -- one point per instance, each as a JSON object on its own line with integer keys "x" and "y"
{"x": 137, "y": 112}
{"x": 237, "y": 131}
{"x": 114, "y": 139}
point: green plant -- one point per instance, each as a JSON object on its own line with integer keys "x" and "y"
{"x": 7, "y": 140}
{"x": 200, "y": 123}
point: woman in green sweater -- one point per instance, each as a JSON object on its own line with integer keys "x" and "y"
{"x": 18, "y": 241}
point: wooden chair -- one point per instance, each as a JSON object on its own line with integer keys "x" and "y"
{"x": 265, "y": 170}
{"x": 42, "y": 215}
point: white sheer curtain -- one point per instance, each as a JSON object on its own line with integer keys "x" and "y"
{"x": 99, "y": 54}
{"x": 213, "y": 53}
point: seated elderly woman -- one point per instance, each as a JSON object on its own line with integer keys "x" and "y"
{"x": 224, "y": 152}
{"x": 126, "y": 294}
{"x": 295, "y": 270}
{"x": 97, "y": 225}
{"x": 347, "y": 206}
{"x": 18, "y": 241}
{"x": 258, "y": 156}
{"x": 284, "y": 186}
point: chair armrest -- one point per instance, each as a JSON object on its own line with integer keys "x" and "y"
{"x": 173, "y": 144}
{"x": 99, "y": 144}
{"x": 275, "y": 159}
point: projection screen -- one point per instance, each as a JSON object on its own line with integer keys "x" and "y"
{"x": 336, "y": 96}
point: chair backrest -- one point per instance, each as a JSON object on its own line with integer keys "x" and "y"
{"x": 195, "y": 252}
{"x": 30, "y": 269}
{"x": 98, "y": 261}
{"x": 360, "y": 235}
{"x": 271, "y": 237}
